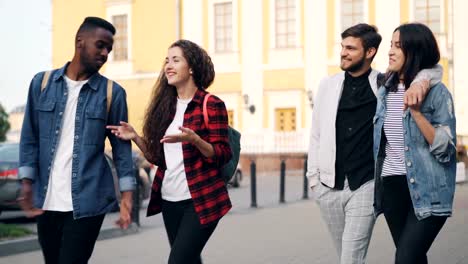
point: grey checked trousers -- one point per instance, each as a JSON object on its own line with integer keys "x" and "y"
{"x": 350, "y": 218}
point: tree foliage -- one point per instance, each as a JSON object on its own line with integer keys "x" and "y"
{"x": 4, "y": 124}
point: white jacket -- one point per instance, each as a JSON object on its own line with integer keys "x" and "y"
{"x": 322, "y": 145}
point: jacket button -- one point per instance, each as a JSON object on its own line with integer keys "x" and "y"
{"x": 412, "y": 180}
{"x": 408, "y": 163}
{"x": 406, "y": 148}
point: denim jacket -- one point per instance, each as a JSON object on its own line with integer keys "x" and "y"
{"x": 430, "y": 168}
{"x": 92, "y": 187}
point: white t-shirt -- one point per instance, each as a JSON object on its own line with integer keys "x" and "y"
{"x": 175, "y": 186}
{"x": 59, "y": 197}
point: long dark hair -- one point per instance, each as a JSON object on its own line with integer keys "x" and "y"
{"x": 421, "y": 52}
{"x": 162, "y": 108}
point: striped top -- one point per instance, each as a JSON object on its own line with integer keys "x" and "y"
{"x": 394, "y": 162}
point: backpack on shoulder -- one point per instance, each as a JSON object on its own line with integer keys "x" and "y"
{"x": 228, "y": 170}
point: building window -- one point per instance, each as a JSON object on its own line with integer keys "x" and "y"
{"x": 120, "y": 49}
{"x": 223, "y": 27}
{"x": 285, "y": 119}
{"x": 285, "y": 23}
{"x": 352, "y": 13}
{"x": 230, "y": 118}
{"x": 428, "y": 13}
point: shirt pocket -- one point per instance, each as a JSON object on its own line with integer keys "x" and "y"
{"x": 46, "y": 117}
{"x": 95, "y": 126}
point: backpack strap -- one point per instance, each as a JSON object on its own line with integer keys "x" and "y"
{"x": 110, "y": 83}
{"x": 45, "y": 79}
{"x": 109, "y": 94}
{"x": 205, "y": 113}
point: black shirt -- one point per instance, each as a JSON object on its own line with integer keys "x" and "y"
{"x": 354, "y": 132}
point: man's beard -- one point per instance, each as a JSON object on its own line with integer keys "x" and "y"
{"x": 357, "y": 66}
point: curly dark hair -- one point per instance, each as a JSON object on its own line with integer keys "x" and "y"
{"x": 162, "y": 108}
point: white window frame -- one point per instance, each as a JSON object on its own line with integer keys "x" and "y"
{"x": 224, "y": 61}
{"x": 443, "y": 34}
{"x": 365, "y": 14}
{"x": 273, "y": 25}
{"x": 285, "y": 58}
{"x": 115, "y": 8}
{"x": 339, "y": 30}
{"x": 235, "y": 27}
{"x": 443, "y": 29}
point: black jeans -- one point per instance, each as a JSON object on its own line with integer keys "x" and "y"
{"x": 412, "y": 237}
{"x": 187, "y": 236}
{"x": 65, "y": 240}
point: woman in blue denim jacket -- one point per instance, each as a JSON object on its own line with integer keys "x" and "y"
{"x": 414, "y": 148}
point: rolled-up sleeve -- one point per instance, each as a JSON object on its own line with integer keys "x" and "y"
{"x": 433, "y": 75}
{"x": 121, "y": 149}
{"x": 443, "y": 119}
{"x": 29, "y": 145}
{"x": 443, "y": 146}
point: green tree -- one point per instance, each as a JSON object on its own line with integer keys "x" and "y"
{"x": 4, "y": 124}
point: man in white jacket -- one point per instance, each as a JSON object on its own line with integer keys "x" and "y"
{"x": 340, "y": 161}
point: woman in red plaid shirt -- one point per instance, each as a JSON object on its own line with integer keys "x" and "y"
{"x": 187, "y": 188}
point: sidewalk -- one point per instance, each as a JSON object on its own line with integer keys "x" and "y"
{"x": 272, "y": 234}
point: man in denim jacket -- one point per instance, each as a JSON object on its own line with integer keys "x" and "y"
{"x": 66, "y": 181}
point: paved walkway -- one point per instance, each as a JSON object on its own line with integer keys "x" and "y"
{"x": 272, "y": 234}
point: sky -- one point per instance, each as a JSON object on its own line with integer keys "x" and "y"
{"x": 25, "y": 47}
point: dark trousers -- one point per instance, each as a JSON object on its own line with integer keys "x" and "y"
{"x": 65, "y": 240}
{"x": 187, "y": 236}
{"x": 412, "y": 237}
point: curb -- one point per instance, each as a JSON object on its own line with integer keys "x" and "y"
{"x": 27, "y": 244}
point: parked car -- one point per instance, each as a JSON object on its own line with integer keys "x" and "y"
{"x": 9, "y": 182}
{"x": 237, "y": 178}
{"x": 143, "y": 182}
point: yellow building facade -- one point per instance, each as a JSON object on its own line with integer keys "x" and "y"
{"x": 269, "y": 55}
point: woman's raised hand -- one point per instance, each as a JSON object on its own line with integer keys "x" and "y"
{"x": 125, "y": 131}
{"x": 187, "y": 135}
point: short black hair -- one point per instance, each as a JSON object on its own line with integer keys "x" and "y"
{"x": 92, "y": 23}
{"x": 367, "y": 33}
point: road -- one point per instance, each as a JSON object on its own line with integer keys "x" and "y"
{"x": 273, "y": 233}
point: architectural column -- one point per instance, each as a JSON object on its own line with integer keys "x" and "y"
{"x": 191, "y": 22}
{"x": 251, "y": 67}
{"x": 460, "y": 67}
{"x": 387, "y": 18}
{"x": 315, "y": 64}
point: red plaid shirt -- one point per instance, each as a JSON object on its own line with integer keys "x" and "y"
{"x": 207, "y": 188}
